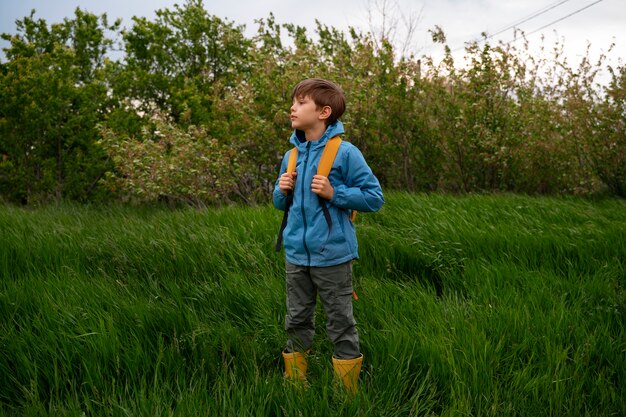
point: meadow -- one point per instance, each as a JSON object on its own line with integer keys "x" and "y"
{"x": 499, "y": 305}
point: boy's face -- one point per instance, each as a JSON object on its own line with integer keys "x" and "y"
{"x": 306, "y": 115}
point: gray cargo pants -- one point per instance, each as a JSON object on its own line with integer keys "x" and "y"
{"x": 334, "y": 285}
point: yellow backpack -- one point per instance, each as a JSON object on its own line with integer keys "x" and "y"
{"x": 326, "y": 162}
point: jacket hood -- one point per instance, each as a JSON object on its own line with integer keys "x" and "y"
{"x": 299, "y": 141}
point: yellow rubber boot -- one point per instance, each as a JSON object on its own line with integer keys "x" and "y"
{"x": 348, "y": 370}
{"x": 295, "y": 366}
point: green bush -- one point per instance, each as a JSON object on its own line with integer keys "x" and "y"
{"x": 505, "y": 120}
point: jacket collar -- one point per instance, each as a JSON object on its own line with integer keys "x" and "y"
{"x": 298, "y": 140}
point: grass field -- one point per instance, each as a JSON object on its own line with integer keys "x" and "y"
{"x": 468, "y": 306}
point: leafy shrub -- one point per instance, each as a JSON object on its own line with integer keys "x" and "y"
{"x": 170, "y": 163}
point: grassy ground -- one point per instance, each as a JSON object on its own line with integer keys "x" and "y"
{"x": 468, "y": 306}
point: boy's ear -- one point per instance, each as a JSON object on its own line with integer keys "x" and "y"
{"x": 325, "y": 113}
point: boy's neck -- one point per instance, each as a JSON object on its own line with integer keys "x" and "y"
{"x": 315, "y": 133}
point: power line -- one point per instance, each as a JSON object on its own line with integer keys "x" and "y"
{"x": 534, "y": 15}
{"x": 561, "y": 19}
{"x": 518, "y": 22}
{"x": 526, "y": 19}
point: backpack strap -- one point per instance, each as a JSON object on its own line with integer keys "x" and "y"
{"x": 291, "y": 167}
{"x": 326, "y": 163}
{"x": 323, "y": 168}
{"x": 328, "y": 156}
{"x": 293, "y": 157}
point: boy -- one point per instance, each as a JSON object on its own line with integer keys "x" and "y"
{"x": 320, "y": 244}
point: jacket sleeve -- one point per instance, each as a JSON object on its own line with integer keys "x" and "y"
{"x": 361, "y": 190}
{"x": 278, "y": 197}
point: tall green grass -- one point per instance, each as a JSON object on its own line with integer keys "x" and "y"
{"x": 475, "y": 306}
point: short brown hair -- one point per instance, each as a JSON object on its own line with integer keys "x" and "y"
{"x": 323, "y": 93}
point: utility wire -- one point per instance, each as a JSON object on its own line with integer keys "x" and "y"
{"x": 534, "y": 15}
{"x": 524, "y": 20}
{"x": 519, "y": 22}
{"x": 561, "y": 19}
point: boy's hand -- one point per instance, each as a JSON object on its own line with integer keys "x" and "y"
{"x": 321, "y": 186}
{"x": 286, "y": 182}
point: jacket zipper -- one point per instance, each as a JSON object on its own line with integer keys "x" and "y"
{"x": 302, "y": 205}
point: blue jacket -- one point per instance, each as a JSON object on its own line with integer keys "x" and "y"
{"x": 306, "y": 237}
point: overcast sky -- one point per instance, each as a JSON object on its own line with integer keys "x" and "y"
{"x": 600, "y": 22}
